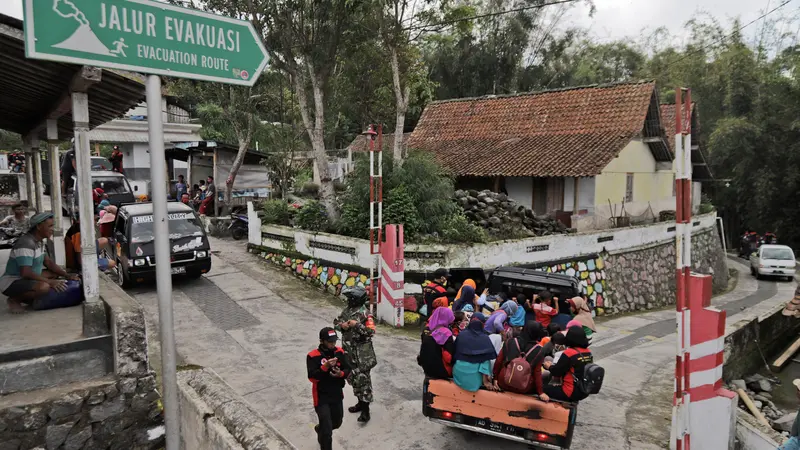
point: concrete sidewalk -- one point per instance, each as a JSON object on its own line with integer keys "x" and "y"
{"x": 254, "y": 324}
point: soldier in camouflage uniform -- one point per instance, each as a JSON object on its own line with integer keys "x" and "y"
{"x": 357, "y": 343}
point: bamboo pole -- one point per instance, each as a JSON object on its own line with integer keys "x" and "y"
{"x": 752, "y": 407}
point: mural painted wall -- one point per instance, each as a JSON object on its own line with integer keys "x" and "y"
{"x": 332, "y": 279}
{"x": 592, "y": 276}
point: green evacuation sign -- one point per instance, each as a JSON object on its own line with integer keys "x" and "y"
{"x": 144, "y": 36}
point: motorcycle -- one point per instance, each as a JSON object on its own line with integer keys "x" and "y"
{"x": 238, "y": 226}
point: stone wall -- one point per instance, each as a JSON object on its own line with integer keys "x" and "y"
{"x": 112, "y": 413}
{"x": 119, "y": 411}
{"x": 644, "y": 277}
{"x": 329, "y": 277}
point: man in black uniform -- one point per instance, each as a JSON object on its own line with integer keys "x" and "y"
{"x": 327, "y": 371}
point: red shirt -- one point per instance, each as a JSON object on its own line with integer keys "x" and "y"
{"x": 544, "y": 313}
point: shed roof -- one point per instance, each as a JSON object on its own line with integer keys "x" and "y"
{"x": 33, "y": 89}
{"x": 567, "y": 132}
{"x": 700, "y": 168}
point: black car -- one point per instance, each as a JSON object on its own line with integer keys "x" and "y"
{"x": 133, "y": 230}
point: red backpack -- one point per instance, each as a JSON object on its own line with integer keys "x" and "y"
{"x": 518, "y": 371}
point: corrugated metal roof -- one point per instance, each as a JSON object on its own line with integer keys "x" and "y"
{"x": 32, "y": 88}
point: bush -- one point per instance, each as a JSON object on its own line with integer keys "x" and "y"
{"x": 458, "y": 229}
{"x": 312, "y": 217}
{"x": 400, "y": 209}
{"x": 419, "y": 184}
{"x": 275, "y": 212}
{"x": 339, "y": 187}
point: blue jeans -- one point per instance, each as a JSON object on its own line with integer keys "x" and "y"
{"x": 791, "y": 444}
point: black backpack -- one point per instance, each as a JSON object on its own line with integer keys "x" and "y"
{"x": 591, "y": 380}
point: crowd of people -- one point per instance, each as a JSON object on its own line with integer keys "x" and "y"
{"x": 201, "y": 196}
{"x": 537, "y": 345}
{"x": 16, "y": 162}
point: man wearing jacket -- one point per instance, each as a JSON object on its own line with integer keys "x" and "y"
{"x": 327, "y": 371}
{"x": 435, "y": 288}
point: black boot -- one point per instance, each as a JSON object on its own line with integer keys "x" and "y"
{"x": 364, "y": 417}
{"x": 357, "y": 408}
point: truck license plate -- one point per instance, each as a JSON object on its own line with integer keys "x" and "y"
{"x": 178, "y": 269}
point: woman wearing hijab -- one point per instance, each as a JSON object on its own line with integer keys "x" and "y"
{"x": 496, "y": 323}
{"x": 474, "y": 353}
{"x": 528, "y": 341}
{"x": 438, "y": 345}
{"x": 517, "y": 320}
{"x": 571, "y": 362}
{"x": 583, "y": 315}
{"x": 468, "y": 282}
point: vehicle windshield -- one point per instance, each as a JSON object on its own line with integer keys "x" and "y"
{"x": 180, "y": 225}
{"x": 783, "y": 254}
{"x": 111, "y": 185}
{"x": 100, "y": 164}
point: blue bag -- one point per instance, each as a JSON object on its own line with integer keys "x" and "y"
{"x": 53, "y": 300}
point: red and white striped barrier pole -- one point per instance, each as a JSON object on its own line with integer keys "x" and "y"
{"x": 375, "y": 211}
{"x": 703, "y": 413}
{"x": 391, "y": 304}
{"x": 683, "y": 254}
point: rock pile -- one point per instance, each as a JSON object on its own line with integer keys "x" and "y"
{"x": 499, "y": 214}
{"x": 759, "y": 388}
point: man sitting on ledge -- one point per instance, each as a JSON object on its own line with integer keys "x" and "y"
{"x": 25, "y": 278}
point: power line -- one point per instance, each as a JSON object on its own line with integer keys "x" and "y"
{"x": 720, "y": 40}
{"x": 492, "y": 14}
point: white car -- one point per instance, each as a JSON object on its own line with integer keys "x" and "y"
{"x": 773, "y": 261}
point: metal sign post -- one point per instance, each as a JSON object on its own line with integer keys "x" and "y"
{"x": 162, "y": 253}
{"x": 157, "y": 39}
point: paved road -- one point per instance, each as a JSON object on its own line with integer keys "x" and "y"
{"x": 254, "y": 324}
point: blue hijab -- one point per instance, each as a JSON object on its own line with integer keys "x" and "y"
{"x": 518, "y": 319}
{"x": 467, "y": 298}
{"x": 473, "y": 344}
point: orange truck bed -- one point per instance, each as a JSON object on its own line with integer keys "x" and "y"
{"x": 506, "y": 415}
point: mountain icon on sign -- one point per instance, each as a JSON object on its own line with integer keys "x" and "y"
{"x": 83, "y": 39}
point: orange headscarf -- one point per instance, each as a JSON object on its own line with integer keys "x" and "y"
{"x": 468, "y": 282}
{"x": 440, "y": 302}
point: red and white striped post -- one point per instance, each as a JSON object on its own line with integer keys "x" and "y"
{"x": 683, "y": 255}
{"x": 375, "y": 211}
{"x": 703, "y": 412}
{"x": 391, "y": 305}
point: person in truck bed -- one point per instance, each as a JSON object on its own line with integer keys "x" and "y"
{"x": 438, "y": 345}
{"x": 571, "y": 362}
{"x": 529, "y": 342}
{"x": 474, "y": 355}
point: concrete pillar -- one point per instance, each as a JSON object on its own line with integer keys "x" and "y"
{"x": 55, "y": 192}
{"x": 36, "y": 155}
{"x": 29, "y": 188}
{"x": 91, "y": 288}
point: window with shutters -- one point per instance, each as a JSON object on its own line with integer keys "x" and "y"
{"x": 629, "y": 188}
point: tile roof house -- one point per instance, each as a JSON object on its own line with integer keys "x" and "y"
{"x": 579, "y": 154}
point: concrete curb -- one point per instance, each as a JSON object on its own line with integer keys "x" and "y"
{"x": 214, "y": 417}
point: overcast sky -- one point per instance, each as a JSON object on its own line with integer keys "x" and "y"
{"x": 627, "y": 18}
